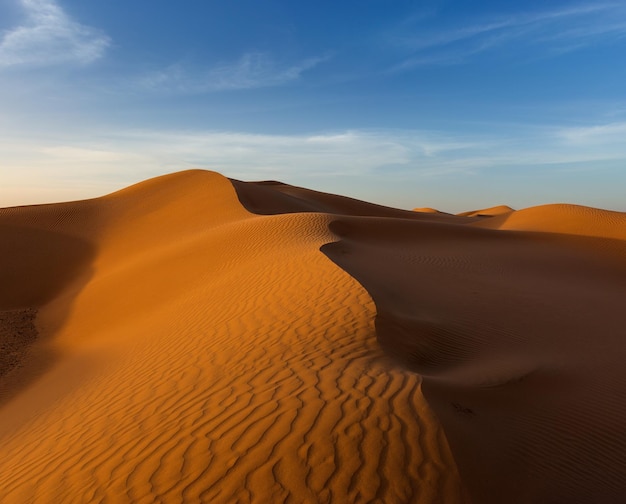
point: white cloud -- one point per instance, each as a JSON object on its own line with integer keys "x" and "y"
{"x": 253, "y": 70}
{"x": 95, "y": 163}
{"x": 49, "y": 36}
{"x": 555, "y": 32}
{"x": 604, "y": 134}
{"x": 101, "y": 163}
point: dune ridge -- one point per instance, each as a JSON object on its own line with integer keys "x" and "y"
{"x": 563, "y": 219}
{"x": 196, "y": 344}
{"x": 488, "y": 212}
{"x": 519, "y": 337}
{"x": 196, "y": 352}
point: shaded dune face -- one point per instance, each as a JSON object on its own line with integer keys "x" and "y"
{"x": 202, "y": 353}
{"x": 192, "y": 344}
{"x": 42, "y": 263}
{"x": 272, "y": 198}
{"x": 43, "y": 258}
{"x": 519, "y": 337}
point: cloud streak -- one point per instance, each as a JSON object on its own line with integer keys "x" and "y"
{"x": 252, "y": 70}
{"x": 606, "y": 135}
{"x": 118, "y": 158}
{"x": 101, "y": 163}
{"x": 553, "y": 32}
{"x": 357, "y": 163}
{"x": 48, "y": 37}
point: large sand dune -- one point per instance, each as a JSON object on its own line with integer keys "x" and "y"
{"x": 188, "y": 340}
{"x": 192, "y": 351}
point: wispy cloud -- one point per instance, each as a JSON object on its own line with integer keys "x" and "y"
{"x": 612, "y": 134}
{"x": 252, "y": 70}
{"x": 553, "y": 31}
{"x": 345, "y": 153}
{"x": 97, "y": 162}
{"x": 48, "y": 36}
{"x": 100, "y": 162}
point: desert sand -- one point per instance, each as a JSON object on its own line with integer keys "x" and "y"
{"x": 199, "y": 339}
{"x": 488, "y": 212}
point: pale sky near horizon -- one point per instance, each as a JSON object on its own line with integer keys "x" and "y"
{"x": 443, "y": 103}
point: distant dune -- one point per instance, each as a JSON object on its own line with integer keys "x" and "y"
{"x": 426, "y": 210}
{"x": 488, "y": 212}
{"x": 187, "y": 339}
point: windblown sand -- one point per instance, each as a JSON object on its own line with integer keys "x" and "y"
{"x": 197, "y": 339}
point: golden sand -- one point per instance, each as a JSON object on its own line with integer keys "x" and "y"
{"x": 196, "y": 352}
{"x": 199, "y": 339}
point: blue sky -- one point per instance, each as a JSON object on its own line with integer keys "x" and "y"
{"x": 451, "y": 104}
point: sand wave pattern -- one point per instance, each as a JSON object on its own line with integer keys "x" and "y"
{"x": 189, "y": 350}
{"x": 515, "y": 323}
{"x": 199, "y": 339}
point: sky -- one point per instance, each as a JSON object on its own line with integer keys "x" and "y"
{"x": 450, "y": 104}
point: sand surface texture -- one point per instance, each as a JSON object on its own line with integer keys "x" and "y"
{"x": 517, "y": 324}
{"x": 166, "y": 344}
{"x": 199, "y": 339}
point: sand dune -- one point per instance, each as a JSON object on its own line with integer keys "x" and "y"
{"x": 270, "y": 198}
{"x": 563, "y": 219}
{"x": 426, "y": 210}
{"x": 488, "y": 212}
{"x": 190, "y": 350}
{"x": 519, "y": 337}
{"x": 188, "y": 340}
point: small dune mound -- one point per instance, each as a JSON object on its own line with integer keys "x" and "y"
{"x": 488, "y": 212}
{"x": 561, "y": 218}
{"x": 426, "y": 210}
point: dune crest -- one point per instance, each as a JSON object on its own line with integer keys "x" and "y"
{"x": 202, "y": 353}
{"x": 188, "y": 339}
{"x": 519, "y": 337}
{"x": 488, "y": 212}
{"x": 426, "y": 210}
{"x": 561, "y": 218}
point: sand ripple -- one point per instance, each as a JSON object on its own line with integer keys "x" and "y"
{"x": 207, "y": 354}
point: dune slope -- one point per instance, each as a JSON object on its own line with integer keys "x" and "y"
{"x": 188, "y": 340}
{"x": 191, "y": 351}
{"x": 488, "y": 212}
{"x": 519, "y": 337}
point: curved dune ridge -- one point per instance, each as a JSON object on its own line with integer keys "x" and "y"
{"x": 427, "y": 210}
{"x": 488, "y": 212}
{"x": 563, "y": 219}
{"x": 519, "y": 337}
{"x": 196, "y": 344}
{"x": 192, "y": 351}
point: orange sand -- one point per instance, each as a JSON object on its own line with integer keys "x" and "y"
{"x": 192, "y": 351}
{"x": 427, "y": 210}
{"x": 519, "y": 337}
{"x": 196, "y": 344}
{"x": 488, "y": 212}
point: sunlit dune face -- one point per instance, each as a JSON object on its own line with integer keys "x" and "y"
{"x": 212, "y": 355}
{"x": 199, "y": 339}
